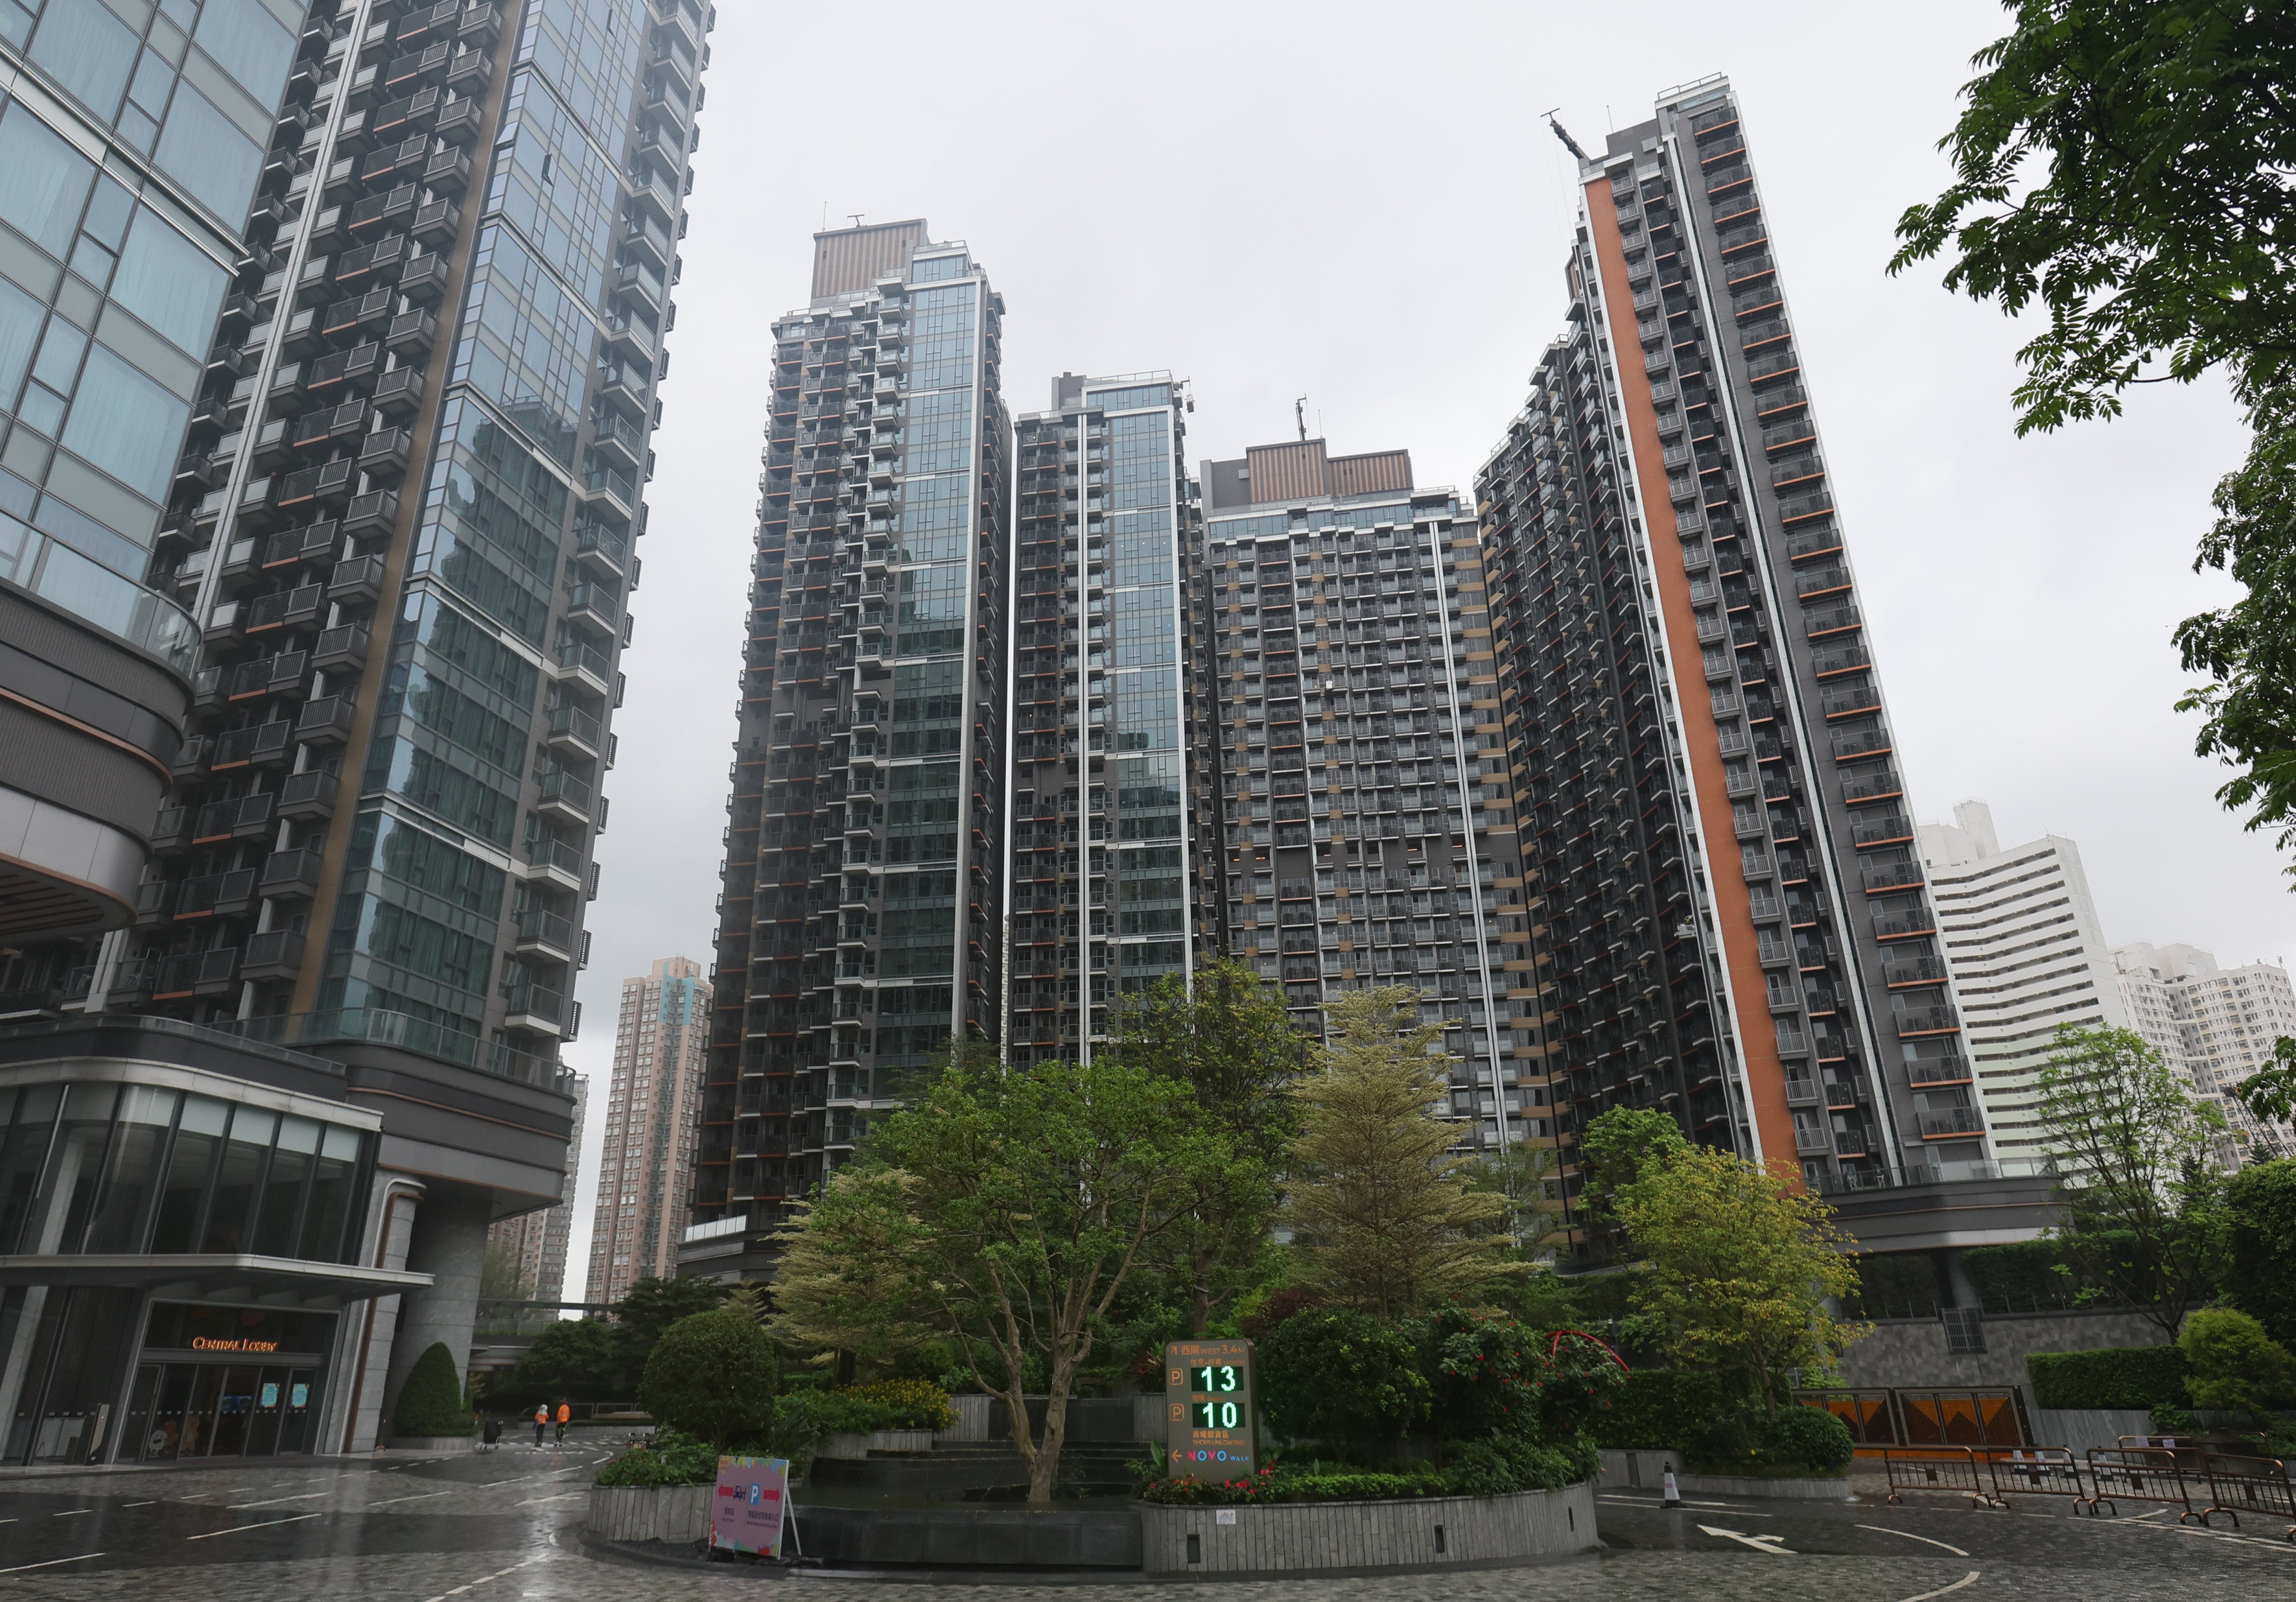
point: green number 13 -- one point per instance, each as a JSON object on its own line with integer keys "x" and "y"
{"x": 1214, "y": 1376}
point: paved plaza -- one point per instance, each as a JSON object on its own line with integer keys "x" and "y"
{"x": 503, "y": 1527}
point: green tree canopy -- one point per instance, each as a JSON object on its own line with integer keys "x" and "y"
{"x": 1737, "y": 1264}
{"x": 574, "y": 1357}
{"x": 1038, "y": 1194}
{"x": 2143, "y": 1208}
{"x": 1386, "y": 1220}
{"x": 844, "y": 1284}
{"x": 1614, "y": 1146}
{"x": 2260, "y": 1201}
{"x": 649, "y": 1307}
{"x": 2120, "y": 166}
{"x": 711, "y": 1376}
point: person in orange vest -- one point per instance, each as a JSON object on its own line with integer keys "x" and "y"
{"x": 541, "y": 1422}
{"x": 565, "y": 1415}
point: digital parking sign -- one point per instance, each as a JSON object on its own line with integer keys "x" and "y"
{"x": 1211, "y": 1426}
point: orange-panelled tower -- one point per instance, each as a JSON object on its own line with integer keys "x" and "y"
{"x": 1733, "y": 923}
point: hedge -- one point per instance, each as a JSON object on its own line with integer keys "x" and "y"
{"x": 1667, "y": 1407}
{"x": 2124, "y": 1377}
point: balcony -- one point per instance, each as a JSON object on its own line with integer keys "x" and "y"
{"x": 411, "y": 334}
{"x": 1918, "y": 970}
{"x": 289, "y": 876}
{"x": 536, "y": 1008}
{"x": 424, "y": 280}
{"x": 1925, "y": 1074}
{"x": 345, "y": 645}
{"x": 574, "y": 660}
{"x": 551, "y": 862}
{"x": 437, "y": 224}
{"x": 1832, "y": 619}
{"x": 216, "y": 895}
{"x": 1926, "y": 1021}
{"x": 327, "y": 485}
{"x": 275, "y": 954}
{"x": 1962, "y": 1123}
{"x": 1801, "y": 1088}
{"x": 448, "y": 171}
{"x": 1872, "y": 786}
{"x": 560, "y": 795}
{"x": 616, "y": 492}
{"x": 543, "y": 934}
{"x": 615, "y": 438}
{"x": 575, "y": 732}
{"x": 1899, "y": 925}
{"x": 383, "y": 453}
{"x": 263, "y": 745}
{"x": 325, "y": 721}
{"x": 608, "y": 547}
{"x": 374, "y": 512}
{"x": 243, "y": 818}
{"x": 398, "y": 393}
{"x": 304, "y": 797}
{"x": 1862, "y": 743}
{"x": 196, "y": 973}
{"x": 1880, "y": 877}
{"x": 1812, "y": 1140}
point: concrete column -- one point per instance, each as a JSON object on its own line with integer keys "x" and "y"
{"x": 449, "y": 1244}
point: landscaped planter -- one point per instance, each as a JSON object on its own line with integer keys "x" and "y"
{"x": 1645, "y": 1470}
{"x": 1293, "y": 1538}
{"x": 664, "y": 1513}
{"x": 854, "y": 1443}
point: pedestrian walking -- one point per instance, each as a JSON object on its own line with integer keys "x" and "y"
{"x": 541, "y": 1422}
{"x": 565, "y": 1416}
{"x": 493, "y": 1433}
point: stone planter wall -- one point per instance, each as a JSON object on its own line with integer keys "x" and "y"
{"x": 1294, "y": 1538}
{"x": 2084, "y": 1428}
{"x": 853, "y": 1443}
{"x": 433, "y": 1443}
{"x": 972, "y": 1419}
{"x": 664, "y": 1513}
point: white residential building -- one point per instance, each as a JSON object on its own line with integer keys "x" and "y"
{"x": 653, "y": 1121}
{"x": 2216, "y": 1025}
{"x": 2027, "y": 955}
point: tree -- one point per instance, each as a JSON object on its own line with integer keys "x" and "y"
{"x": 573, "y": 1358}
{"x": 1344, "y": 1378}
{"x": 2260, "y": 1201}
{"x": 2235, "y": 1364}
{"x": 2120, "y": 165}
{"x": 650, "y": 1307}
{"x": 502, "y": 1277}
{"x": 1038, "y": 1194}
{"x": 1527, "y": 1175}
{"x": 711, "y": 1376}
{"x": 1614, "y": 1146}
{"x": 844, "y": 1284}
{"x": 430, "y": 1401}
{"x": 1738, "y": 1262}
{"x": 1228, "y": 1036}
{"x": 2142, "y": 1208}
{"x": 1386, "y": 1221}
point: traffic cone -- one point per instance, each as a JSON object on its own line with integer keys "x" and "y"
{"x": 1673, "y": 1492}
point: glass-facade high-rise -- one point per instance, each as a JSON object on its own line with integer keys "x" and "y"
{"x": 861, "y": 921}
{"x": 1104, "y": 776}
{"x": 350, "y": 356}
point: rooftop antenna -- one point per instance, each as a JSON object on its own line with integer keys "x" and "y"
{"x": 1299, "y": 414}
{"x": 1569, "y": 142}
{"x": 856, "y": 216}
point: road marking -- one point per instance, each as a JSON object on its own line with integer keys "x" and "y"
{"x": 424, "y": 1497}
{"x": 50, "y": 1562}
{"x": 1968, "y": 1578}
{"x": 1760, "y": 1543}
{"x": 268, "y": 1523}
{"x": 482, "y": 1579}
{"x": 273, "y": 1501}
{"x": 1909, "y": 1535}
{"x": 149, "y": 1504}
{"x": 71, "y": 1513}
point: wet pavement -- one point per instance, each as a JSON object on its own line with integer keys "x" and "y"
{"x": 503, "y": 1527}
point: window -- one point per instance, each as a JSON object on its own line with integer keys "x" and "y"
{"x": 203, "y": 151}
{"x": 20, "y": 331}
{"x": 248, "y": 42}
{"x": 126, "y": 423}
{"x": 169, "y": 283}
{"x": 42, "y": 180}
{"x": 88, "y": 51}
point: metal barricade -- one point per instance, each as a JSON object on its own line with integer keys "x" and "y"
{"x": 2254, "y": 1485}
{"x": 1953, "y": 1470}
{"x": 2118, "y": 1474}
{"x": 2036, "y": 1471}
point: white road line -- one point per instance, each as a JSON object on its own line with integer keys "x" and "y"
{"x": 1760, "y": 1543}
{"x": 563, "y": 1496}
{"x": 71, "y": 1513}
{"x": 149, "y": 1504}
{"x": 482, "y": 1579}
{"x": 274, "y": 1501}
{"x": 1968, "y": 1578}
{"x": 268, "y": 1524}
{"x": 1909, "y": 1535}
{"x": 50, "y": 1562}
{"x": 424, "y": 1497}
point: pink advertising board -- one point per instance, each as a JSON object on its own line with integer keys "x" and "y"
{"x": 747, "y": 1514}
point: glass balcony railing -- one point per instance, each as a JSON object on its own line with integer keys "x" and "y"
{"x": 376, "y": 1027}
{"x": 88, "y": 589}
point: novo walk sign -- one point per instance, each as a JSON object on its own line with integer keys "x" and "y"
{"x": 1211, "y": 1408}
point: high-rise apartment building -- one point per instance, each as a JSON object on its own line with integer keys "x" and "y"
{"x": 404, "y": 270}
{"x": 2215, "y": 1026}
{"x": 534, "y": 1243}
{"x": 652, "y": 1121}
{"x": 2027, "y": 954}
{"x": 862, "y": 917}
{"x": 1104, "y": 777}
{"x": 1367, "y": 835}
{"x": 1711, "y": 814}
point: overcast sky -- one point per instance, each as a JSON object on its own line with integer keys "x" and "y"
{"x": 1362, "y": 204}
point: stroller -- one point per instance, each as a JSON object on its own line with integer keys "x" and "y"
{"x": 492, "y": 1433}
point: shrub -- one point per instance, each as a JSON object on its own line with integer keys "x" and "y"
{"x": 670, "y": 1459}
{"x": 2235, "y": 1364}
{"x": 1582, "y": 1378}
{"x": 1260, "y": 1318}
{"x": 711, "y": 1376}
{"x": 887, "y": 1404}
{"x": 1692, "y": 1411}
{"x": 1807, "y": 1437}
{"x": 2120, "y": 1378}
{"x": 430, "y": 1401}
{"x": 2020, "y": 1276}
{"x": 1329, "y": 1373}
{"x": 1486, "y": 1373}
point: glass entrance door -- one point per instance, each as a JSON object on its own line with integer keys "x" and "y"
{"x": 221, "y": 1410}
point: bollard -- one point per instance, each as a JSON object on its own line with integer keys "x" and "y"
{"x": 1673, "y": 1492}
